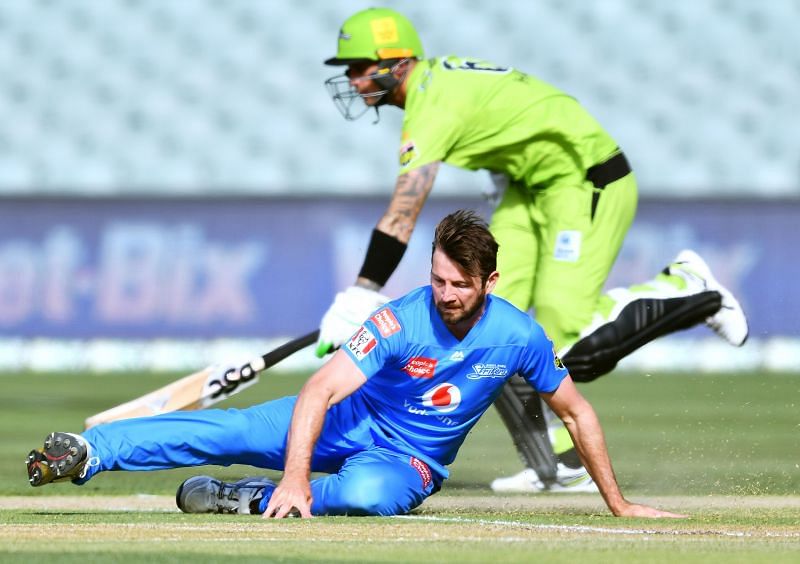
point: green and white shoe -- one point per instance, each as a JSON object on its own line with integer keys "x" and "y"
{"x": 729, "y": 322}
{"x": 568, "y": 480}
{"x": 572, "y": 480}
{"x": 526, "y": 481}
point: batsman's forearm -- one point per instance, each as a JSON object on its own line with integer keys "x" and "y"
{"x": 393, "y": 231}
{"x": 410, "y": 193}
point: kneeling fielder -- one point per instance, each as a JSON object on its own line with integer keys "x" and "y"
{"x": 384, "y": 417}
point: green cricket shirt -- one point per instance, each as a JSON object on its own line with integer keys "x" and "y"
{"x": 475, "y": 115}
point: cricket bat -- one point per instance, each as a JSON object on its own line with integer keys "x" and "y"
{"x": 203, "y": 388}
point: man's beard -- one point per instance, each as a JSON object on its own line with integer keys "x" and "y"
{"x": 454, "y": 316}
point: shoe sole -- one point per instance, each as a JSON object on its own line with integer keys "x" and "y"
{"x": 61, "y": 458}
{"x": 39, "y": 472}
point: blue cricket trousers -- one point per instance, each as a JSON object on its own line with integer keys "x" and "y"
{"x": 364, "y": 478}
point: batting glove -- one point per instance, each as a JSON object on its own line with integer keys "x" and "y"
{"x": 349, "y": 310}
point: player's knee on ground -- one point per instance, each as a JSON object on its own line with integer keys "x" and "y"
{"x": 637, "y": 324}
{"x": 372, "y": 494}
{"x": 374, "y": 483}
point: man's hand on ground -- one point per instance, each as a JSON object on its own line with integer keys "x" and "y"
{"x": 290, "y": 498}
{"x": 639, "y": 510}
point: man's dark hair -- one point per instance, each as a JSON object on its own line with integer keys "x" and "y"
{"x": 465, "y": 238}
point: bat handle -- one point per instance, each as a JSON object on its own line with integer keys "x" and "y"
{"x": 249, "y": 371}
{"x": 287, "y": 349}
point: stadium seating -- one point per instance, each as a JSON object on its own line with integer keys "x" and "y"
{"x": 195, "y": 97}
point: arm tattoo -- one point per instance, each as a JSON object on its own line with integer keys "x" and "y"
{"x": 409, "y": 196}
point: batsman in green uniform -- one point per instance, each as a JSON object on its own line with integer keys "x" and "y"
{"x": 565, "y": 195}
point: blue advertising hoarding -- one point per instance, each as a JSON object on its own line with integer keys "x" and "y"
{"x": 177, "y": 268}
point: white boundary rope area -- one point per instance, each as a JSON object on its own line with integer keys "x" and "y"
{"x": 588, "y": 529}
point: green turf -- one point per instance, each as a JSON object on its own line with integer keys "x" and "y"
{"x": 165, "y": 537}
{"x": 708, "y": 436}
{"x": 668, "y": 434}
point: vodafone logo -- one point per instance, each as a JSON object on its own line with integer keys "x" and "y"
{"x": 444, "y": 398}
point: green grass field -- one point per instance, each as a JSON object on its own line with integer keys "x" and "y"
{"x": 723, "y": 448}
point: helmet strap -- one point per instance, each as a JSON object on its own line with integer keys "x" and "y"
{"x": 385, "y": 77}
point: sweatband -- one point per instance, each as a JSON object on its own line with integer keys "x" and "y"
{"x": 383, "y": 255}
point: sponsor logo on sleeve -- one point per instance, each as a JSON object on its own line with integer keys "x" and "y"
{"x": 420, "y": 367}
{"x": 408, "y": 152}
{"x": 444, "y": 398}
{"x": 557, "y": 361}
{"x": 362, "y": 343}
{"x": 488, "y": 371}
{"x": 386, "y": 322}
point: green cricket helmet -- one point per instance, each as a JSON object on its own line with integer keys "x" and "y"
{"x": 374, "y": 34}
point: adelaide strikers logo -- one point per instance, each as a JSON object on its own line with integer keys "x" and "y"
{"x": 488, "y": 371}
{"x": 444, "y": 398}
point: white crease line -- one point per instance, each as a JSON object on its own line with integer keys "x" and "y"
{"x": 588, "y": 529}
